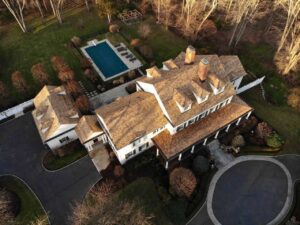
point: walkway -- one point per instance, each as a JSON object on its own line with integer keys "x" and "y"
{"x": 220, "y": 157}
{"x": 21, "y": 153}
{"x": 251, "y": 190}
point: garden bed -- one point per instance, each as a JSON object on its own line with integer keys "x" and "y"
{"x": 73, "y": 152}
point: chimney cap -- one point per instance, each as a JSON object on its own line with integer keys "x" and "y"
{"x": 204, "y": 61}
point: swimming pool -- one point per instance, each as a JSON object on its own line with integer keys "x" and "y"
{"x": 105, "y": 60}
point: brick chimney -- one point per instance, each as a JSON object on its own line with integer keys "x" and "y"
{"x": 203, "y": 69}
{"x": 190, "y": 55}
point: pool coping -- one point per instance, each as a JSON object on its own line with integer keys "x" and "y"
{"x": 241, "y": 159}
{"x": 95, "y": 42}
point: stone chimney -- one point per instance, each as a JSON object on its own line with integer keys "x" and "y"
{"x": 203, "y": 69}
{"x": 190, "y": 55}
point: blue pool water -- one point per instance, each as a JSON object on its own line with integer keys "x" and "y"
{"x": 107, "y": 61}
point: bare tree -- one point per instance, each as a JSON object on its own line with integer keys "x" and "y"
{"x": 288, "y": 58}
{"x": 292, "y": 10}
{"x": 16, "y": 8}
{"x": 242, "y": 12}
{"x": 105, "y": 209}
{"x": 39, "y": 74}
{"x": 194, "y": 13}
{"x": 106, "y": 7}
{"x": 19, "y": 82}
{"x": 56, "y": 6}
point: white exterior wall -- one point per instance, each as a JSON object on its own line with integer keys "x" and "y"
{"x": 206, "y": 112}
{"x": 237, "y": 82}
{"x": 55, "y": 143}
{"x": 121, "y": 153}
{"x": 89, "y": 145}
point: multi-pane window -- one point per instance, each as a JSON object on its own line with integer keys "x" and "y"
{"x": 65, "y": 139}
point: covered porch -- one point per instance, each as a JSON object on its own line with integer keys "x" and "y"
{"x": 186, "y": 142}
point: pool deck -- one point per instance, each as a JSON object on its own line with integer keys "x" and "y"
{"x": 131, "y": 65}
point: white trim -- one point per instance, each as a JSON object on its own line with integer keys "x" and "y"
{"x": 217, "y": 134}
{"x": 204, "y": 143}
{"x": 193, "y": 148}
{"x": 227, "y": 129}
{"x": 239, "y": 120}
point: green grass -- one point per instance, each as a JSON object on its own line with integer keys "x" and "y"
{"x": 53, "y": 162}
{"x": 165, "y": 44}
{"x": 30, "y": 206}
{"x": 143, "y": 191}
{"x": 282, "y": 118}
{"x": 258, "y": 59}
{"x": 20, "y": 51}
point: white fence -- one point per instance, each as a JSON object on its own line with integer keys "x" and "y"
{"x": 250, "y": 85}
{"x": 16, "y": 110}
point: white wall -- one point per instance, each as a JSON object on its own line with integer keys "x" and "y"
{"x": 55, "y": 143}
{"x": 121, "y": 153}
{"x": 89, "y": 145}
{"x": 236, "y": 83}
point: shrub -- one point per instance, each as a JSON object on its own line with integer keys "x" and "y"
{"x": 83, "y": 104}
{"x": 144, "y": 30}
{"x": 293, "y": 98}
{"x": 146, "y": 51}
{"x": 248, "y": 125}
{"x": 135, "y": 42}
{"x": 58, "y": 63}
{"x": 39, "y": 74}
{"x": 263, "y": 130}
{"x": 209, "y": 28}
{"x": 85, "y": 63}
{"x": 114, "y": 28}
{"x": 183, "y": 182}
{"x": 73, "y": 88}
{"x": 19, "y": 82}
{"x": 76, "y": 41}
{"x": 132, "y": 74}
{"x": 65, "y": 74}
{"x": 3, "y": 90}
{"x": 90, "y": 74}
{"x": 274, "y": 140}
{"x": 200, "y": 165}
{"x": 119, "y": 171}
{"x": 131, "y": 88}
{"x": 238, "y": 141}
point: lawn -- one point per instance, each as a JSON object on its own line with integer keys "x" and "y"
{"x": 53, "y": 162}
{"x": 30, "y": 206}
{"x": 20, "y": 51}
{"x": 281, "y": 117}
{"x": 165, "y": 44}
{"x": 258, "y": 59}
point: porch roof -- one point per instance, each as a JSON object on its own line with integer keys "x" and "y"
{"x": 172, "y": 145}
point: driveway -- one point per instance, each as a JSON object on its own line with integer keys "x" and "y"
{"x": 21, "y": 153}
{"x": 251, "y": 190}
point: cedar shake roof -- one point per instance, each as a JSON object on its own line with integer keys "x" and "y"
{"x": 186, "y": 79}
{"x": 88, "y": 128}
{"x": 53, "y": 108}
{"x": 131, "y": 117}
{"x": 172, "y": 145}
{"x": 233, "y": 66}
{"x": 170, "y": 64}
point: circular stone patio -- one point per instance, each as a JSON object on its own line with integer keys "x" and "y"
{"x": 252, "y": 190}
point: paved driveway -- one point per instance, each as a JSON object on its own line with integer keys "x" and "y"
{"x": 21, "y": 153}
{"x": 251, "y": 190}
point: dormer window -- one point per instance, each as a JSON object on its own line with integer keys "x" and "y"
{"x": 153, "y": 72}
{"x": 200, "y": 93}
{"x": 216, "y": 84}
{"x": 182, "y": 99}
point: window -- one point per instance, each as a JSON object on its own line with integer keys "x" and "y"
{"x": 143, "y": 147}
{"x": 129, "y": 154}
{"x": 65, "y": 139}
{"x": 181, "y": 127}
{"x": 95, "y": 140}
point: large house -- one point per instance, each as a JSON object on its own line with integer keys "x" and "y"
{"x": 177, "y": 108}
{"x": 192, "y": 98}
